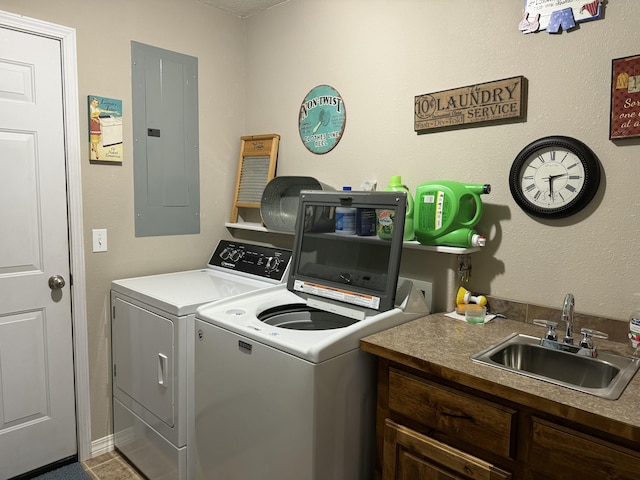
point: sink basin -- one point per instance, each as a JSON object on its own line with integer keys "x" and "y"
{"x": 605, "y": 376}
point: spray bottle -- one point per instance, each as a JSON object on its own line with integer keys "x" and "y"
{"x": 634, "y": 327}
{"x": 446, "y": 213}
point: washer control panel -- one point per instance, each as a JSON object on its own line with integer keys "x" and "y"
{"x": 258, "y": 260}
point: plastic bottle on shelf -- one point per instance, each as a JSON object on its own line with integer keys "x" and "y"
{"x": 447, "y": 212}
{"x": 634, "y": 327}
{"x": 386, "y": 218}
{"x": 346, "y": 218}
{"x": 365, "y": 222}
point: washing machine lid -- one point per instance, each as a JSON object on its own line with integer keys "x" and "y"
{"x": 234, "y": 268}
{"x": 347, "y": 269}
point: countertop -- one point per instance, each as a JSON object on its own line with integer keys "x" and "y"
{"x": 442, "y": 346}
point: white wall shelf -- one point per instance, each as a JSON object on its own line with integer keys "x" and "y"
{"x": 257, "y": 227}
{"x": 254, "y": 227}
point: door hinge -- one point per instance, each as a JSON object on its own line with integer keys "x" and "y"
{"x": 114, "y": 369}
{"x": 113, "y": 315}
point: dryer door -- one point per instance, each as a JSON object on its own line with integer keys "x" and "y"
{"x": 143, "y": 358}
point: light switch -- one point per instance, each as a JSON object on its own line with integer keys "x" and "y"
{"x": 99, "y": 239}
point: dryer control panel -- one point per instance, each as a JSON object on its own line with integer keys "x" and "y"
{"x": 254, "y": 260}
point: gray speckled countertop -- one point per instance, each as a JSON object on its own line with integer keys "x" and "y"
{"x": 442, "y": 346}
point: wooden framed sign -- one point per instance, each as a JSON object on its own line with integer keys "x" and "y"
{"x": 625, "y": 97}
{"x": 482, "y": 103}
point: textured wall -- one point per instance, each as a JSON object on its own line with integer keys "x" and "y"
{"x": 380, "y": 54}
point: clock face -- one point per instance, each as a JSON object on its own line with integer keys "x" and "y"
{"x": 554, "y": 177}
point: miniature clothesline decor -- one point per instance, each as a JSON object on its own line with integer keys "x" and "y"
{"x": 557, "y": 17}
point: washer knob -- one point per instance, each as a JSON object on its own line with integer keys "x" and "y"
{"x": 272, "y": 264}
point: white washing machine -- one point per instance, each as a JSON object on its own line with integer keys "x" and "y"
{"x": 152, "y": 350}
{"x": 282, "y": 390}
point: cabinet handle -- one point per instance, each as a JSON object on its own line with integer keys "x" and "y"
{"x": 457, "y": 415}
{"x": 162, "y": 369}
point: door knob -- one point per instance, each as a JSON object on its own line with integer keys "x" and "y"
{"x": 56, "y": 282}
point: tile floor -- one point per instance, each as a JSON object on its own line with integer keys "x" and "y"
{"x": 111, "y": 466}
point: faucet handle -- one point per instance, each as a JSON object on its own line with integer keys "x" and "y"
{"x": 587, "y": 333}
{"x": 551, "y": 328}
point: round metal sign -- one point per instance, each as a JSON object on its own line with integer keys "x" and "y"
{"x": 322, "y": 119}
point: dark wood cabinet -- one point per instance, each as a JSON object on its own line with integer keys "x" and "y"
{"x": 409, "y": 455}
{"x": 452, "y": 413}
{"x": 430, "y": 428}
{"x": 573, "y": 454}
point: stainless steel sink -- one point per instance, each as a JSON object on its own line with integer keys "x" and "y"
{"x": 605, "y": 376}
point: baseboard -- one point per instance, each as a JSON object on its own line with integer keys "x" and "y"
{"x": 102, "y": 445}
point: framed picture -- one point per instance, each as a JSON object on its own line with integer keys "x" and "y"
{"x": 625, "y": 97}
{"x": 105, "y": 129}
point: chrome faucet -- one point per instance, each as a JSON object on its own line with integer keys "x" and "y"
{"x": 585, "y": 346}
{"x": 567, "y": 316}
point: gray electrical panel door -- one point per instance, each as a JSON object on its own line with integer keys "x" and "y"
{"x": 165, "y": 135}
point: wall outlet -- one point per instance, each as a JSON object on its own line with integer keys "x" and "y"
{"x": 426, "y": 289}
{"x": 99, "y": 239}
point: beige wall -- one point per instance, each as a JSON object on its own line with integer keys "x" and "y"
{"x": 379, "y": 54}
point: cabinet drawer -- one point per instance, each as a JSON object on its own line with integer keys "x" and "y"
{"x": 456, "y": 414}
{"x": 557, "y": 452}
{"x": 408, "y": 455}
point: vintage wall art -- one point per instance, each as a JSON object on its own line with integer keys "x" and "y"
{"x": 557, "y": 16}
{"x": 491, "y": 102}
{"x": 105, "y": 129}
{"x": 625, "y": 97}
{"x": 322, "y": 119}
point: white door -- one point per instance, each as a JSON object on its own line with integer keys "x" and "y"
{"x": 37, "y": 401}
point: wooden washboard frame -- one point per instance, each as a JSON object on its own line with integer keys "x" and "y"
{"x": 256, "y": 167}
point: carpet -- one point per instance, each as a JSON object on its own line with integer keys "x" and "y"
{"x": 72, "y": 471}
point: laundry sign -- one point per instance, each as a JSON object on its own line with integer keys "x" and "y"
{"x": 498, "y": 101}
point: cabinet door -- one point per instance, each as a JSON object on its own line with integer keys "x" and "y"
{"x": 561, "y": 453}
{"x": 409, "y": 455}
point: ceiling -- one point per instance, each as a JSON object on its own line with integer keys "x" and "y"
{"x": 243, "y": 8}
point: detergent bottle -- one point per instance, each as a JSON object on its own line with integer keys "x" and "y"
{"x": 634, "y": 327}
{"x": 385, "y": 217}
{"x": 446, "y": 213}
{"x": 346, "y": 218}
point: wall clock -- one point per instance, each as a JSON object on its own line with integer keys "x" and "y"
{"x": 554, "y": 177}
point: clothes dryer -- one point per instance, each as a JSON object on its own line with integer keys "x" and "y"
{"x": 152, "y": 321}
